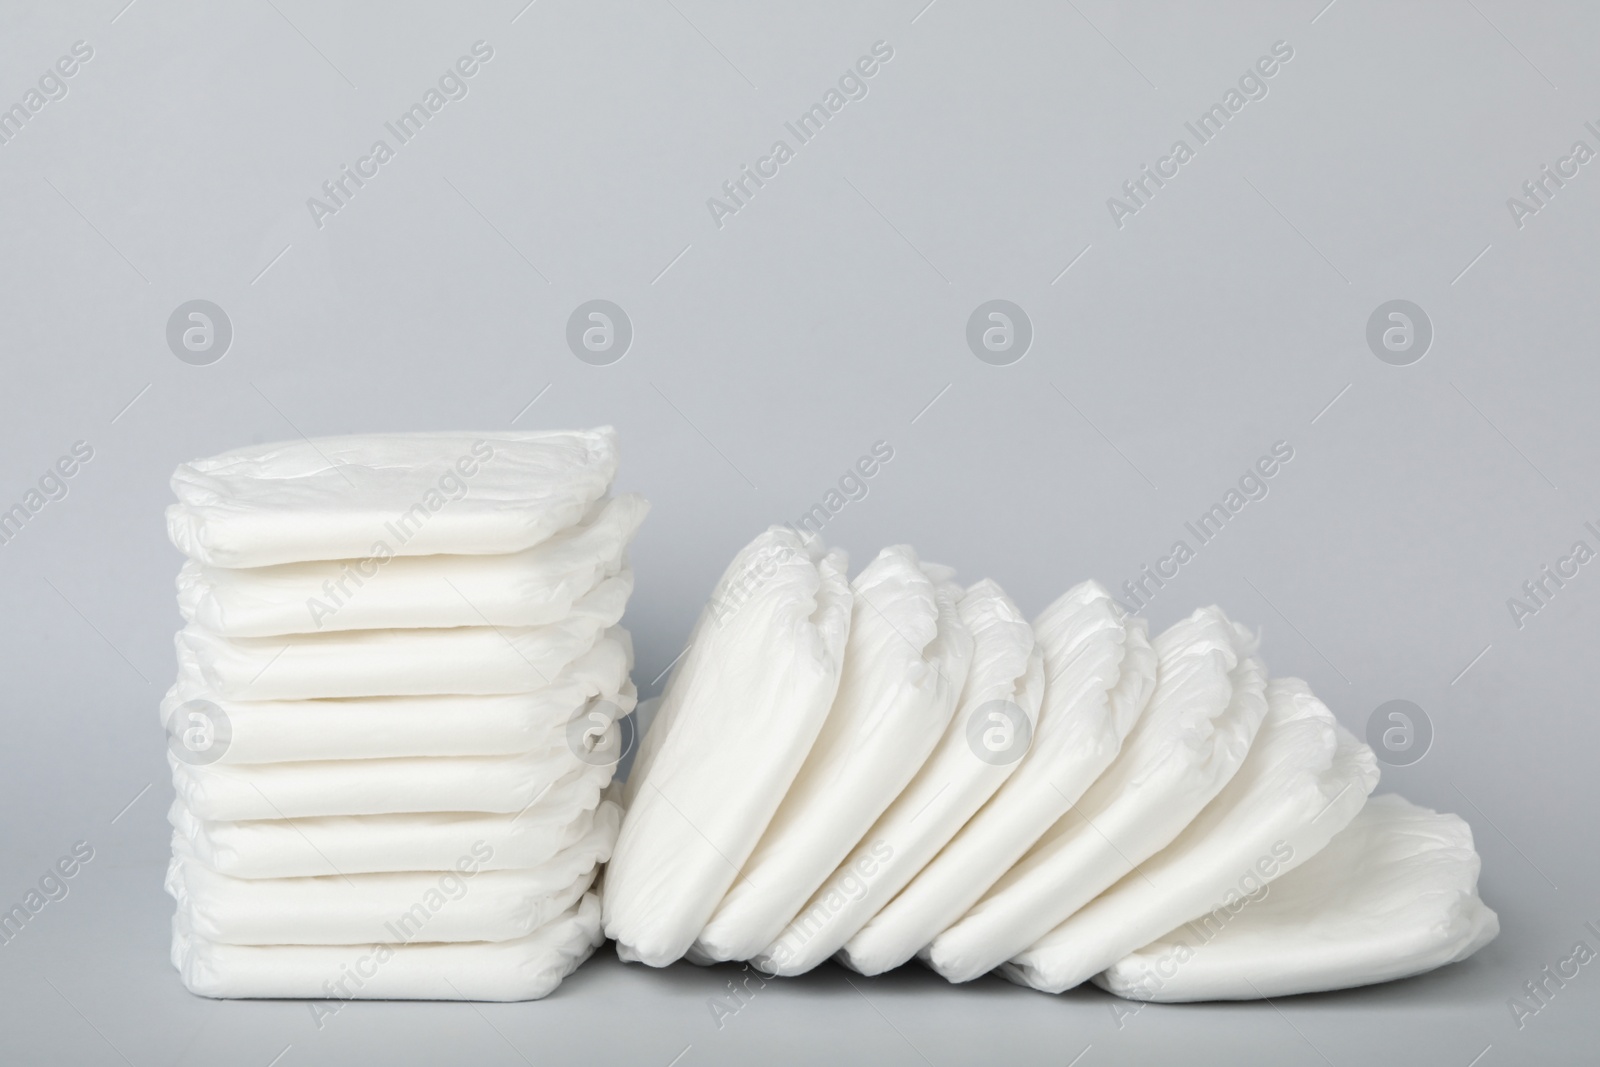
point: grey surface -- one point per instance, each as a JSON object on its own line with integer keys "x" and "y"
{"x": 830, "y": 313}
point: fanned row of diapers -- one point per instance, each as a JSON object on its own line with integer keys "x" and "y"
{"x": 394, "y": 730}
{"x": 898, "y": 768}
{"x": 394, "y": 724}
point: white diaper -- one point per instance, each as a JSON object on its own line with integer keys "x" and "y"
{"x": 465, "y": 903}
{"x": 739, "y": 714}
{"x": 1305, "y": 778}
{"x": 536, "y": 586}
{"x": 408, "y": 494}
{"x": 523, "y": 969}
{"x": 358, "y": 844}
{"x": 1099, "y": 673}
{"x": 411, "y": 662}
{"x": 506, "y": 784}
{"x": 905, "y": 663}
{"x": 1394, "y": 894}
{"x": 1208, "y": 704}
{"x": 983, "y": 744}
{"x": 355, "y": 728}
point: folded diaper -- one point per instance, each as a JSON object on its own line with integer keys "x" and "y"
{"x": 379, "y": 495}
{"x": 410, "y": 662}
{"x": 315, "y": 788}
{"x": 1099, "y": 674}
{"x": 536, "y": 586}
{"x": 466, "y": 903}
{"x": 905, "y": 662}
{"x": 984, "y": 742}
{"x": 354, "y": 728}
{"x": 360, "y": 844}
{"x": 1208, "y": 704}
{"x": 737, "y": 719}
{"x": 1394, "y": 894}
{"x": 526, "y": 968}
{"x": 1305, "y": 778}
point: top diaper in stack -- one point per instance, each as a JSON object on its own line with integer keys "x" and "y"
{"x": 396, "y": 713}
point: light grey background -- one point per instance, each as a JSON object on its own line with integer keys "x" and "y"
{"x": 829, "y": 313}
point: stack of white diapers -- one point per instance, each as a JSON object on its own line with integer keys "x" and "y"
{"x": 396, "y": 714}
{"x": 897, "y": 768}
